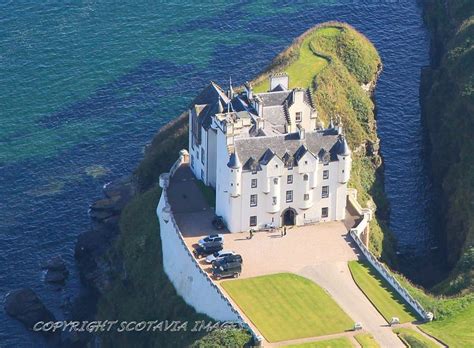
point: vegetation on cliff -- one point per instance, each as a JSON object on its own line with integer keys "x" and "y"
{"x": 344, "y": 65}
{"x": 448, "y": 109}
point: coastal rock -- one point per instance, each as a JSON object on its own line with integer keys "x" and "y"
{"x": 25, "y": 306}
{"x": 56, "y": 270}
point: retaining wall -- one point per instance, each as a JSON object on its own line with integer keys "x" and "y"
{"x": 382, "y": 269}
{"x": 190, "y": 281}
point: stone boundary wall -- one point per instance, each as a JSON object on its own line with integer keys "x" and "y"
{"x": 356, "y": 233}
{"x": 191, "y": 282}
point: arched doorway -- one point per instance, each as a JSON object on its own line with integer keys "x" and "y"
{"x": 288, "y": 217}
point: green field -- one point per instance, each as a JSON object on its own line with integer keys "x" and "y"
{"x": 380, "y": 293}
{"x": 342, "y": 342}
{"x": 366, "y": 340}
{"x": 456, "y": 330}
{"x": 414, "y": 339}
{"x": 286, "y": 306}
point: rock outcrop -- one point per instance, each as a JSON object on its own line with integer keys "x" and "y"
{"x": 25, "y": 306}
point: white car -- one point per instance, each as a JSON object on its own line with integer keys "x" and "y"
{"x": 219, "y": 255}
{"x": 211, "y": 238}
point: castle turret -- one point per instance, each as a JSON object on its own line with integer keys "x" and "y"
{"x": 345, "y": 160}
{"x": 235, "y": 177}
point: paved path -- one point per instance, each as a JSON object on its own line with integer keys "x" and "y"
{"x": 337, "y": 280}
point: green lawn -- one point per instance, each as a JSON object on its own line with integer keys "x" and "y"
{"x": 303, "y": 70}
{"x": 286, "y": 306}
{"x": 456, "y": 330}
{"x": 380, "y": 293}
{"x": 366, "y": 340}
{"x": 342, "y": 342}
{"x": 414, "y": 339}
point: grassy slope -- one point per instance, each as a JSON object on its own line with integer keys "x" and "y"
{"x": 143, "y": 291}
{"x": 338, "y": 60}
{"x": 414, "y": 339}
{"x": 139, "y": 280}
{"x": 286, "y": 306}
{"x": 366, "y": 340}
{"x": 448, "y": 109}
{"x": 380, "y": 293}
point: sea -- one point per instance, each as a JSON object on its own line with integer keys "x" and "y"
{"x": 84, "y": 86}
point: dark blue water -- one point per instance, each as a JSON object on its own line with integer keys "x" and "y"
{"x": 84, "y": 86}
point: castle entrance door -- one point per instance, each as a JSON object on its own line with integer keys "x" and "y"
{"x": 289, "y": 217}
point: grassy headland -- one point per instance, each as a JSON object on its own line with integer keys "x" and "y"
{"x": 344, "y": 65}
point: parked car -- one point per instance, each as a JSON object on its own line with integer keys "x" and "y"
{"x": 232, "y": 269}
{"x": 227, "y": 259}
{"x": 207, "y": 249}
{"x": 219, "y": 255}
{"x": 211, "y": 238}
{"x": 218, "y": 223}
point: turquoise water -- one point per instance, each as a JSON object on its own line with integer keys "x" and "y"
{"x": 85, "y": 85}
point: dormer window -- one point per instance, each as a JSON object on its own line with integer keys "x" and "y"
{"x": 298, "y": 116}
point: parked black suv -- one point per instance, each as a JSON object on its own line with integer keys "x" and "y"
{"x": 231, "y": 269}
{"x": 227, "y": 260}
{"x": 207, "y": 249}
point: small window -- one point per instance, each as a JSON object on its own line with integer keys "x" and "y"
{"x": 289, "y": 179}
{"x": 305, "y": 177}
{"x": 305, "y": 162}
{"x": 324, "y": 212}
{"x": 276, "y": 165}
{"x": 202, "y": 156}
{"x": 275, "y": 181}
{"x": 192, "y": 161}
{"x": 298, "y": 117}
{"x": 289, "y": 196}
{"x": 306, "y": 196}
{"x": 274, "y": 200}
{"x": 325, "y": 174}
{"x": 253, "y": 200}
{"x": 202, "y": 174}
{"x": 253, "y": 221}
{"x": 254, "y": 183}
{"x": 325, "y": 192}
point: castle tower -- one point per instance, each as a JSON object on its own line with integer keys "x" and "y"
{"x": 345, "y": 160}
{"x": 235, "y": 177}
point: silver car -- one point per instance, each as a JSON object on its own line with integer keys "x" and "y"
{"x": 211, "y": 238}
{"x": 219, "y": 255}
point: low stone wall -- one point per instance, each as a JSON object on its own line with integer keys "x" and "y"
{"x": 190, "y": 281}
{"x": 356, "y": 234}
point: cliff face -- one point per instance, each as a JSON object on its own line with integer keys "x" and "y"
{"x": 448, "y": 112}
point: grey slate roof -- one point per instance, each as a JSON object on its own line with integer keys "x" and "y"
{"x": 343, "y": 147}
{"x": 285, "y": 145}
{"x": 234, "y": 161}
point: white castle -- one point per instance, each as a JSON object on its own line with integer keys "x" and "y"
{"x": 268, "y": 157}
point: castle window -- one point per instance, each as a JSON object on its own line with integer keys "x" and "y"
{"x": 325, "y": 174}
{"x": 254, "y": 183}
{"x": 275, "y": 181}
{"x": 192, "y": 161}
{"x": 298, "y": 117}
{"x": 274, "y": 200}
{"x": 253, "y": 200}
{"x": 305, "y": 177}
{"x": 306, "y": 196}
{"x": 289, "y": 196}
{"x": 253, "y": 221}
{"x": 202, "y": 156}
{"x": 289, "y": 179}
{"x": 202, "y": 174}
{"x": 325, "y": 212}
{"x": 325, "y": 192}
